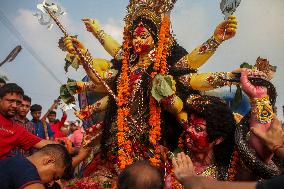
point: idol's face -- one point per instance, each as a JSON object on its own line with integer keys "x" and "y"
{"x": 142, "y": 41}
{"x": 196, "y": 135}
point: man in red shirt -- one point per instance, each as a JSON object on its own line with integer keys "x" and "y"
{"x": 13, "y": 134}
{"x": 55, "y": 124}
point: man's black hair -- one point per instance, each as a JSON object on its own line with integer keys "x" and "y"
{"x": 141, "y": 175}
{"x": 35, "y": 108}
{"x": 11, "y": 88}
{"x": 52, "y": 112}
{"x": 2, "y": 80}
{"x": 27, "y": 98}
{"x": 62, "y": 156}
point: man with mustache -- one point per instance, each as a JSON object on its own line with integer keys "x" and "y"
{"x": 13, "y": 134}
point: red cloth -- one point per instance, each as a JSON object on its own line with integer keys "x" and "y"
{"x": 14, "y": 135}
{"x": 56, "y": 126}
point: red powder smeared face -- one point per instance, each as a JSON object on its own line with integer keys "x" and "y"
{"x": 196, "y": 135}
{"x": 142, "y": 40}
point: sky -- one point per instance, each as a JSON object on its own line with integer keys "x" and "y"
{"x": 260, "y": 33}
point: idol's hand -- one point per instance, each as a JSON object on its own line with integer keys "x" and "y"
{"x": 92, "y": 25}
{"x": 71, "y": 43}
{"x": 251, "y": 90}
{"x": 226, "y": 30}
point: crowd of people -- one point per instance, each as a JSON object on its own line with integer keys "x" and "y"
{"x": 39, "y": 151}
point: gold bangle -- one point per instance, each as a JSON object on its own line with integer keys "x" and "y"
{"x": 264, "y": 99}
{"x": 100, "y": 35}
{"x": 119, "y": 54}
{"x": 263, "y": 109}
{"x": 209, "y": 46}
{"x": 218, "y": 79}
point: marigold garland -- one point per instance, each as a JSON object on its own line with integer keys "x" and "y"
{"x": 123, "y": 85}
{"x": 125, "y": 146}
{"x": 181, "y": 142}
{"x": 232, "y": 171}
{"x": 160, "y": 66}
{"x": 175, "y": 183}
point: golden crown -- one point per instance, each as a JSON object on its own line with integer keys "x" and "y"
{"x": 150, "y": 9}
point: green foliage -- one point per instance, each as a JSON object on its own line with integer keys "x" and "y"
{"x": 4, "y": 77}
{"x": 246, "y": 65}
{"x": 237, "y": 98}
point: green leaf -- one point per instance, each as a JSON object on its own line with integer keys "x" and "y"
{"x": 237, "y": 98}
{"x": 246, "y": 65}
{"x": 66, "y": 96}
{"x": 4, "y": 77}
{"x": 67, "y": 64}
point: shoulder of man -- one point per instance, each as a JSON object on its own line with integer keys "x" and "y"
{"x": 34, "y": 186}
{"x": 22, "y": 171}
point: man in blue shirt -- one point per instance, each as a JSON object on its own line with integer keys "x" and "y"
{"x": 42, "y": 128}
{"x": 50, "y": 163}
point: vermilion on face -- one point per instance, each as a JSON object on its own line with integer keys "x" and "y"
{"x": 196, "y": 135}
{"x": 142, "y": 40}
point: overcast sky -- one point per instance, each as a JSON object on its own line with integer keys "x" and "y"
{"x": 260, "y": 33}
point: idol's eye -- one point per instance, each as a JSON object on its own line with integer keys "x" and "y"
{"x": 198, "y": 128}
{"x": 144, "y": 36}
